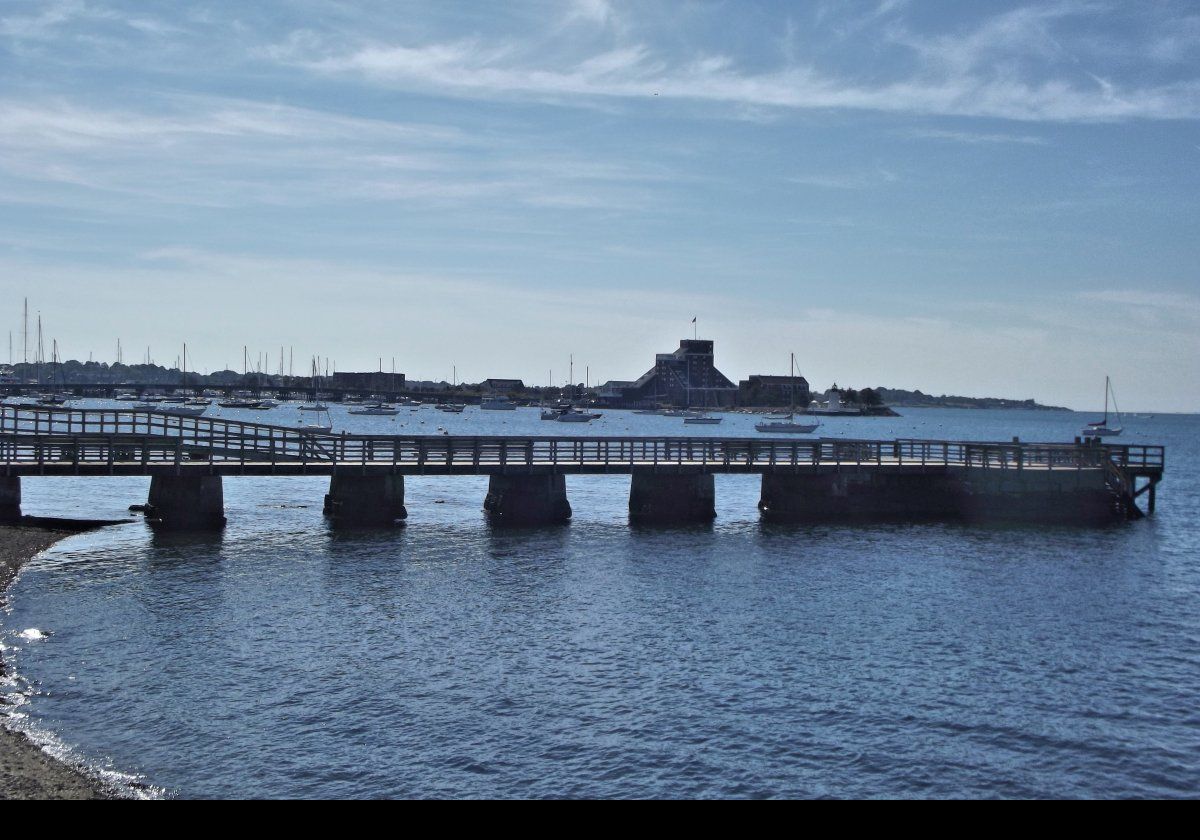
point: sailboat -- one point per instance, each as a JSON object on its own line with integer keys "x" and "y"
{"x": 316, "y": 405}
{"x": 786, "y": 423}
{"x": 1100, "y": 428}
{"x": 178, "y": 406}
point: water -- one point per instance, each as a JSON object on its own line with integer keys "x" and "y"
{"x": 596, "y": 659}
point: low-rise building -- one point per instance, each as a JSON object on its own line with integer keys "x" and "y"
{"x": 765, "y": 390}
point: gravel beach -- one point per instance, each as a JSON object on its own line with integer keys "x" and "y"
{"x": 27, "y": 772}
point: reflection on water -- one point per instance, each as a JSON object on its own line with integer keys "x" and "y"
{"x": 282, "y": 657}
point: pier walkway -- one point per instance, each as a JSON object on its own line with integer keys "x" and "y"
{"x": 802, "y": 478}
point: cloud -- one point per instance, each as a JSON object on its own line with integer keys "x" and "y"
{"x": 53, "y": 17}
{"x": 975, "y": 138}
{"x": 598, "y": 12}
{"x": 215, "y": 152}
{"x": 859, "y": 181}
{"x": 1014, "y": 66}
{"x": 1167, "y": 304}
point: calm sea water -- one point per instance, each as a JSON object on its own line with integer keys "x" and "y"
{"x": 280, "y": 658}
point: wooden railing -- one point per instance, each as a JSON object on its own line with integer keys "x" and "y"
{"x": 105, "y": 436}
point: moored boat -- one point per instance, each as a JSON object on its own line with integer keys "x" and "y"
{"x": 498, "y": 404}
{"x": 785, "y": 424}
{"x": 1100, "y": 428}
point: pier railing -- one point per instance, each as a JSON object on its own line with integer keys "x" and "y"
{"x": 110, "y": 437}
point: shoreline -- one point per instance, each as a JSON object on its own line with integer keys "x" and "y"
{"x": 26, "y": 770}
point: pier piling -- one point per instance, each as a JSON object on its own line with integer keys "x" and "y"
{"x": 949, "y": 493}
{"x": 10, "y": 498}
{"x": 857, "y": 494}
{"x": 186, "y": 502}
{"x": 656, "y": 497}
{"x": 370, "y": 501}
{"x": 527, "y": 499}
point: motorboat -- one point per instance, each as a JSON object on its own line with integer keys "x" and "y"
{"x": 573, "y": 415}
{"x": 376, "y": 410}
{"x": 553, "y": 412}
{"x": 702, "y": 420}
{"x": 253, "y": 404}
{"x": 498, "y": 404}
{"x": 180, "y": 409}
{"x": 786, "y": 427}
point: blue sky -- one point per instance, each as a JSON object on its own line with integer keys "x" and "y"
{"x": 974, "y": 198}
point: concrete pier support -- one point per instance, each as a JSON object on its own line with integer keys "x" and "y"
{"x": 186, "y": 502}
{"x": 970, "y": 494}
{"x": 850, "y": 495}
{"x": 10, "y": 498}
{"x": 1038, "y": 496}
{"x": 371, "y": 501}
{"x": 527, "y": 499}
{"x": 655, "y": 497}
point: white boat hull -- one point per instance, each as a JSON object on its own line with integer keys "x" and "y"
{"x": 786, "y": 428}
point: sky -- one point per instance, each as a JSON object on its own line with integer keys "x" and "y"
{"x": 972, "y": 198}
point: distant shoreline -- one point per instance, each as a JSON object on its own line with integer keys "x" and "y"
{"x": 26, "y": 770}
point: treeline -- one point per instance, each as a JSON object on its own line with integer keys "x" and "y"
{"x": 918, "y": 399}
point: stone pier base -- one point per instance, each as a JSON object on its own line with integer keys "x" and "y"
{"x": 1037, "y": 496}
{"x": 184, "y": 502}
{"x": 371, "y": 501}
{"x": 527, "y": 499}
{"x": 672, "y": 498}
{"x": 10, "y": 499}
{"x": 951, "y": 494}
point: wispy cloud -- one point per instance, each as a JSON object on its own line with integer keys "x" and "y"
{"x": 975, "y": 138}
{"x": 1170, "y": 303}
{"x": 855, "y": 181}
{"x": 213, "y": 152}
{"x": 1010, "y": 66}
{"x": 50, "y": 18}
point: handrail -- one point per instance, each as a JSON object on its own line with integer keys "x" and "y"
{"x": 224, "y": 440}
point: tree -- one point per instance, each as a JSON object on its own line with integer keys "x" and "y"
{"x": 869, "y": 396}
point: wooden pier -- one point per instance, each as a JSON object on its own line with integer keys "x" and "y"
{"x": 802, "y": 478}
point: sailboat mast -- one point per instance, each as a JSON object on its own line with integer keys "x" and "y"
{"x": 792, "y": 374}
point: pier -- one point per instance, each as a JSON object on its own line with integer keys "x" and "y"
{"x": 672, "y": 478}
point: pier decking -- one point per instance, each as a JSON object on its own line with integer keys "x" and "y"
{"x": 802, "y": 478}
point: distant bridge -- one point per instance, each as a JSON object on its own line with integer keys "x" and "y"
{"x": 108, "y": 390}
{"x": 672, "y": 476}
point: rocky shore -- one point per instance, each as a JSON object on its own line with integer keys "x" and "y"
{"x": 26, "y": 771}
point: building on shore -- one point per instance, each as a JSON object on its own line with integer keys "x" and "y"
{"x": 685, "y": 377}
{"x": 764, "y": 390}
